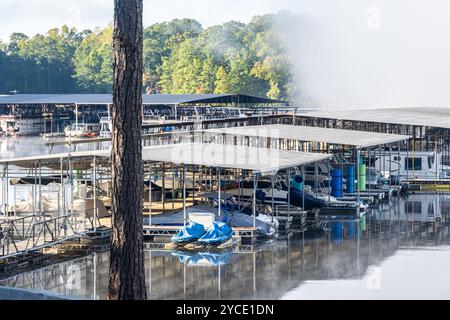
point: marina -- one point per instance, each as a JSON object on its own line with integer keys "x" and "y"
{"x": 271, "y": 183}
{"x": 229, "y": 152}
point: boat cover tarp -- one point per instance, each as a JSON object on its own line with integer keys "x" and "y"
{"x": 191, "y": 232}
{"x": 44, "y": 180}
{"x": 311, "y": 201}
{"x": 233, "y": 218}
{"x": 218, "y": 233}
{"x": 239, "y": 219}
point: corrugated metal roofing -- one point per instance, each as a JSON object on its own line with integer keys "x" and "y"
{"x": 358, "y": 139}
{"x": 416, "y": 116}
{"x": 147, "y": 99}
{"x": 207, "y": 154}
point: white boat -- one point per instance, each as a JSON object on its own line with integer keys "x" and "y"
{"x": 105, "y": 128}
{"x": 409, "y": 165}
{"x": 83, "y": 130}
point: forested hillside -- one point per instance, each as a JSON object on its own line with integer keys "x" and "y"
{"x": 180, "y": 56}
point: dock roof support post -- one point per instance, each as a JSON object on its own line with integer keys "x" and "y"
{"x": 289, "y": 191}
{"x": 163, "y": 195}
{"x": 76, "y": 116}
{"x": 399, "y": 161}
{"x": 407, "y": 160}
{"x": 61, "y": 213}
{"x": 3, "y": 190}
{"x": 108, "y": 107}
{"x": 382, "y": 159}
{"x": 40, "y": 188}
{"x": 194, "y": 168}
{"x": 342, "y": 168}
{"x": 173, "y": 187}
{"x": 149, "y": 193}
{"x": 370, "y": 171}
{"x": 184, "y": 195}
{"x": 272, "y": 178}
{"x": 33, "y": 188}
{"x": 358, "y": 156}
{"x": 390, "y": 165}
{"x": 329, "y": 179}
{"x": 303, "y": 189}
{"x": 95, "y": 193}
{"x": 4, "y": 193}
{"x": 84, "y": 204}
{"x": 219, "y": 191}
{"x": 255, "y": 184}
{"x": 316, "y": 172}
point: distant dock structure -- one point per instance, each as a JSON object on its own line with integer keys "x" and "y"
{"x": 425, "y": 158}
{"x": 33, "y": 114}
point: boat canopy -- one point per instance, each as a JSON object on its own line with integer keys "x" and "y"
{"x": 257, "y": 160}
{"x": 359, "y": 139}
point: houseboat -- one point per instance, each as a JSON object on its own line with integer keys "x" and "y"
{"x": 13, "y": 125}
{"x": 83, "y": 130}
{"x": 409, "y": 165}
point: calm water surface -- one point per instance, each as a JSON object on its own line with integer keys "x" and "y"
{"x": 383, "y": 257}
{"x": 26, "y": 146}
{"x": 400, "y": 251}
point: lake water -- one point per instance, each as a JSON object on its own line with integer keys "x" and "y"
{"x": 383, "y": 257}
{"x": 400, "y": 251}
{"x": 26, "y": 146}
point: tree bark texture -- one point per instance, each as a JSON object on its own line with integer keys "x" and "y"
{"x": 127, "y": 276}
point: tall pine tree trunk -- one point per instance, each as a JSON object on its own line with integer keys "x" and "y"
{"x": 127, "y": 276}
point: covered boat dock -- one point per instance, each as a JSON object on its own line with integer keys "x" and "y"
{"x": 75, "y": 203}
{"x": 58, "y": 110}
{"x": 347, "y": 146}
{"x": 429, "y": 127}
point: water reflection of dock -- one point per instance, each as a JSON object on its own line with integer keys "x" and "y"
{"x": 263, "y": 271}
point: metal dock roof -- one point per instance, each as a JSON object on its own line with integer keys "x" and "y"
{"x": 359, "y": 139}
{"x": 260, "y": 160}
{"x": 415, "y": 116}
{"x": 147, "y": 99}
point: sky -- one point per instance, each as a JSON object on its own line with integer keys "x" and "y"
{"x": 346, "y": 53}
{"x": 38, "y": 16}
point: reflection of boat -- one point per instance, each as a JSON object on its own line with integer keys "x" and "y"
{"x": 420, "y": 208}
{"x": 83, "y": 130}
{"x": 203, "y": 258}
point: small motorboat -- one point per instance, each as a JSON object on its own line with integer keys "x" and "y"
{"x": 192, "y": 232}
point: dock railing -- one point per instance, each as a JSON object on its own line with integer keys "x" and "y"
{"x": 30, "y": 233}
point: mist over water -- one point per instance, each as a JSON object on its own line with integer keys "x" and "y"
{"x": 370, "y": 53}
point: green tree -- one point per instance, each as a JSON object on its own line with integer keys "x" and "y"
{"x": 48, "y": 59}
{"x": 160, "y": 40}
{"x": 93, "y": 62}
